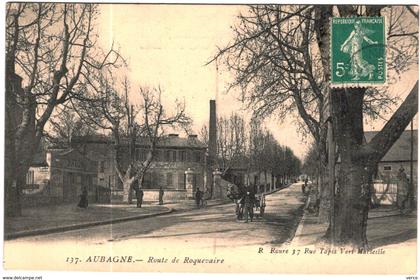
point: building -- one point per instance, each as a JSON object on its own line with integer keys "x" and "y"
{"x": 397, "y": 157}
{"x": 89, "y": 162}
{"x": 385, "y": 182}
{"x": 60, "y": 177}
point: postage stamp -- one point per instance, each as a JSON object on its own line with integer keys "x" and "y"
{"x": 358, "y": 56}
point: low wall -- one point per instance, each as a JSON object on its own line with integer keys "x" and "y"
{"x": 153, "y": 195}
{"x": 169, "y": 195}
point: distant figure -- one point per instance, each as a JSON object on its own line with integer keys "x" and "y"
{"x": 249, "y": 205}
{"x": 262, "y": 204}
{"x": 304, "y": 185}
{"x": 402, "y": 188}
{"x": 83, "y": 202}
{"x": 198, "y": 197}
{"x": 47, "y": 187}
{"x": 161, "y": 193}
{"x": 139, "y": 196}
{"x": 230, "y": 192}
{"x": 312, "y": 201}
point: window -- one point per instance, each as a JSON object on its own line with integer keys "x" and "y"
{"x": 102, "y": 166}
{"x": 197, "y": 156}
{"x": 30, "y": 177}
{"x": 147, "y": 180}
{"x": 387, "y": 168}
{"x": 174, "y": 156}
{"x": 72, "y": 178}
{"x": 156, "y": 180}
{"x": 182, "y": 156}
{"x": 194, "y": 181}
{"x": 169, "y": 179}
{"x": 181, "y": 181}
{"x": 158, "y": 156}
{"x": 167, "y": 155}
{"x": 143, "y": 154}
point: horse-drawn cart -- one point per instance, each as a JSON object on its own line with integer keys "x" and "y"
{"x": 258, "y": 204}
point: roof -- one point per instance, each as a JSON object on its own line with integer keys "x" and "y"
{"x": 401, "y": 149}
{"x": 171, "y": 140}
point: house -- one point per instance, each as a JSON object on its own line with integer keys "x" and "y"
{"x": 58, "y": 175}
{"x": 397, "y": 158}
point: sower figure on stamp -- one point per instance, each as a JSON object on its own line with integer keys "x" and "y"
{"x": 353, "y": 46}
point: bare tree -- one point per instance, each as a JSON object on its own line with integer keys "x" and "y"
{"x": 66, "y": 124}
{"x": 204, "y": 134}
{"x": 268, "y": 156}
{"x": 129, "y": 123}
{"x": 231, "y": 141}
{"x": 50, "y": 51}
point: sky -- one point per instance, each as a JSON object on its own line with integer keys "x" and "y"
{"x": 169, "y": 45}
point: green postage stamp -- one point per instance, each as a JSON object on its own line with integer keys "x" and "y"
{"x": 358, "y": 57}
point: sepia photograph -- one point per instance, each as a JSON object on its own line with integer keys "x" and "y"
{"x": 210, "y": 138}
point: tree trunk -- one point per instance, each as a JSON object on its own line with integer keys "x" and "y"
{"x": 11, "y": 194}
{"x": 127, "y": 191}
{"x": 353, "y": 197}
{"x": 353, "y": 192}
{"x": 323, "y": 190}
{"x": 21, "y": 141}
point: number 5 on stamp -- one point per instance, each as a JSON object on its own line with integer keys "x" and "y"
{"x": 358, "y": 56}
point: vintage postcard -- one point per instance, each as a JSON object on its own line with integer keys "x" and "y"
{"x": 198, "y": 138}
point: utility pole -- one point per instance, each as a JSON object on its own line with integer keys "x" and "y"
{"x": 411, "y": 186}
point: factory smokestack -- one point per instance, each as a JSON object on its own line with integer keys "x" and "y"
{"x": 212, "y": 134}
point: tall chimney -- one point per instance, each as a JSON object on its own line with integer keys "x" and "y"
{"x": 212, "y": 134}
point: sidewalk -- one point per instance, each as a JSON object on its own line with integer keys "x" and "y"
{"x": 59, "y": 218}
{"x": 386, "y": 226}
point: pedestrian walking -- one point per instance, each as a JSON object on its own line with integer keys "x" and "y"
{"x": 249, "y": 205}
{"x": 262, "y": 205}
{"x": 402, "y": 189}
{"x": 139, "y": 196}
{"x": 304, "y": 186}
{"x": 161, "y": 193}
{"x": 83, "y": 202}
{"x": 198, "y": 197}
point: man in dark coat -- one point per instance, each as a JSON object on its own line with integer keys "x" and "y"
{"x": 249, "y": 205}
{"x": 139, "y": 196}
{"x": 198, "y": 197}
{"x": 83, "y": 202}
{"x": 161, "y": 193}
